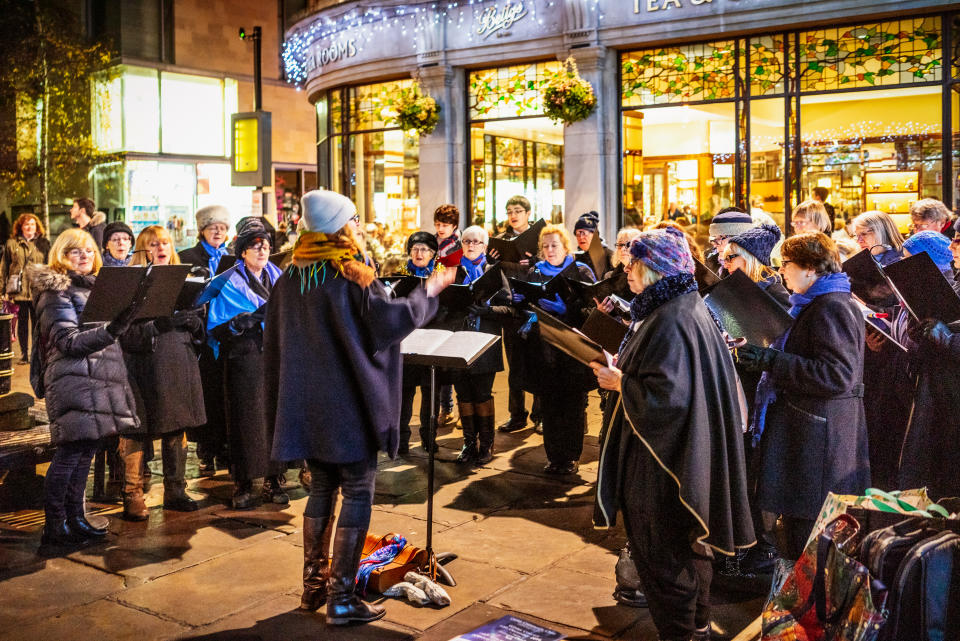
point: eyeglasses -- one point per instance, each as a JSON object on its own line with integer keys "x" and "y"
{"x": 473, "y": 241}
{"x": 261, "y": 246}
{"x": 716, "y": 240}
{"x": 622, "y": 245}
{"x": 77, "y": 253}
{"x": 955, "y": 240}
{"x": 355, "y": 218}
{"x": 420, "y": 249}
{"x": 863, "y": 234}
{"x": 729, "y": 258}
{"x": 784, "y": 263}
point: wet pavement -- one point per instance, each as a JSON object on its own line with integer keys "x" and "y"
{"x": 524, "y": 541}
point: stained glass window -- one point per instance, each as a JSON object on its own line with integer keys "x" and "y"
{"x": 766, "y": 65}
{"x": 679, "y": 74}
{"x": 371, "y": 106}
{"x": 881, "y": 54}
{"x": 509, "y": 92}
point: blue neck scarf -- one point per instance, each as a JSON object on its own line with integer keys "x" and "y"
{"x": 547, "y": 269}
{"x": 110, "y": 261}
{"x": 215, "y": 254}
{"x": 826, "y": 284}
{"x": 474, "y": 267}
{"x": 422, "y": 272}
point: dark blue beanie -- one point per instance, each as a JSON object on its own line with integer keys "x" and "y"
{"x": 759, "y": 241}
{"x": 589, "y": 221}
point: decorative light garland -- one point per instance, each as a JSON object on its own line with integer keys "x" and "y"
{"x": 363, "y": 24}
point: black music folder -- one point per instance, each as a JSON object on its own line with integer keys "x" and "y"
{"x": 116, "y": 287}
{"x": 442, "y": 348}
{"x": 570, "y": 341}
{"x": 226, "y": 262}
{"x": 604, "y": 329}
{"x": 868, "y": 281}
{"x": 704, "y": 275}
{"x": 535, "y": 290}
{"x": 401, "y": 286}
{"x": 745, "y": 310}
{"x": 192, "y": 288}
{"x": 920, "y": 284}
{"x": 587, "y": 292}
{"x": 597, "y": 256}
{"x": 516, "y": 249}
{"x": 459, "y": 296}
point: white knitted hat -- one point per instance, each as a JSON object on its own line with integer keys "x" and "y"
{"x": 325, "y": 211}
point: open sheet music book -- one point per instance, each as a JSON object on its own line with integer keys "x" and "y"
{"x": 443, "y": 348}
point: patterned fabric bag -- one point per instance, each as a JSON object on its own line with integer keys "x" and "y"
{"x": 912, "y": 502}
{"x": 829, "y": 596}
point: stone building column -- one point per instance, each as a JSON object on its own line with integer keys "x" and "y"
{"x": 589, "y": 146}
{"x": 443, "y": 152}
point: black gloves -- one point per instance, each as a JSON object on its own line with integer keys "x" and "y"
{"x": 936, "y": 332}
{"x": 183, "y": 320}
{"x": 119, "y": 325}
{"x": 244, "y": 321}
{"x": 756, "y": 359}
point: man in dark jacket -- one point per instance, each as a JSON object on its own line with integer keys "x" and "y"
{"x": 84, "y": 215}
{"x": 332, "y": 375}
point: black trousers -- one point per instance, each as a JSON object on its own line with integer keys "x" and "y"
{"x": 212, "y": 437}
{"x": 795, "y": 533}
{"x": 25, "y": 317}
{"x": 66, "y": 479}
{"x": 406, "y": 408}
{"x": 564, "y": 417}
{"x": 516, "y": 405}
{"x": 676, "y": 580}
{"x": 474, "y": 388}
{"x": 355, "y": 481}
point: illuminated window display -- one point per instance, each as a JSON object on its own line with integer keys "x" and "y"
{"x": 707, "y": 125}
{"x": 513, "y": 148}
{"x": 372, "y": 161}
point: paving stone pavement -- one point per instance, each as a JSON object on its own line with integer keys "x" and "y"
{"x": 524, "y": 541}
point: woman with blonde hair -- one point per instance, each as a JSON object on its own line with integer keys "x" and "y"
{"x": 163, "y": 372}
{"x": 876, "y": 232}
{"x": 28, "y": 245}
{"x": 750, "y": 252}
{"x": 563, "y": 398}
{"x": 811, "y": 216}
{"x": 84, "y": 380}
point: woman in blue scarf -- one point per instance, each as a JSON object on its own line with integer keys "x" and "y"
{"x": 238, "y": 299}
{"x": 475, "y": 385}
{"x": 213, "y": 222}
{"x": 422, "y": 262}
{"x": 563, "y": 397}
{"x": 809, "y": 408}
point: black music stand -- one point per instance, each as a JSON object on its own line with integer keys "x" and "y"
{"x": 452, "y": 354}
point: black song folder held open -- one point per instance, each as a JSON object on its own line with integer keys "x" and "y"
{"x": 570, "y": 341}
{"x": 922, "y": 286}
{"x": 704, "y": 275}
{"x": 116, "y": 287}
{"x": 587, "y": 292}
{"x": 442, "y": 348}
{"x": 604, "y": 329}
{"x": 516, "y": 249}
{"x": 867, "y": 280}
{"x": 745, "y": 310}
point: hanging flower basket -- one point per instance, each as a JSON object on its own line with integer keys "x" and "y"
{"x": 568, "y": 98}
{"x": 416, "y": 111}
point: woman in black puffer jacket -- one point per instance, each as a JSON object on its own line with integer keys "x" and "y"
{"x": 84, "y": 381}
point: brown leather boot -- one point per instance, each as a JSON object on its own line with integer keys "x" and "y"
{"x": 317, "y": 533}
{"x": 343, "y": 605}
{"x": 484, "y": 424}
{"x": 134, "y": 507}
{"x": 468, "y": 453}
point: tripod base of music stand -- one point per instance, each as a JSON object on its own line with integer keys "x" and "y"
{"x": 438, "y": 572}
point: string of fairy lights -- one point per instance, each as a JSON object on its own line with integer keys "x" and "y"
{"x": 363, "y": 25}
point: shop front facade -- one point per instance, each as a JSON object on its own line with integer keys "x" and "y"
{"x": 701, "y": 105}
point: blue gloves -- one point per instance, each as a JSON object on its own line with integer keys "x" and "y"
{"x": 554, "y": 305}
{"x": 524, "y": 331}
{"x": 518, "y": 298}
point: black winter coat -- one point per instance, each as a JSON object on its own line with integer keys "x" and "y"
{"x": 165, "y": 377}
{"x": 679, "y": 400}
{"x": 931, "y": 448}
{"x": 198, "y": 257}
{"x": 815, "y": 439}
{"x": 85, "y": 378}
{"x": 533, "y": 358}
{"x": 332, "y": 366}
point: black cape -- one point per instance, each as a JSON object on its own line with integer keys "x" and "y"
{"x": 680, "y": 400}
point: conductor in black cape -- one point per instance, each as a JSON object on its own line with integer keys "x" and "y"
{"x": 332, "y": 375}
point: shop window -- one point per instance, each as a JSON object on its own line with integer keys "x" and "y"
{"x": 679, "y": 74}
{"x": 192, "y": 113}
{"x": 899, "y": 52}
{"x": 371, "y": 106}
{"x": 767, "y": 65}
{"x": 873, "y": 150}
{"x": 514, "y": 149}
{"x": 766, "y": 165}
{"x": 510, "y": 92}
{"x": 141, "y": 110}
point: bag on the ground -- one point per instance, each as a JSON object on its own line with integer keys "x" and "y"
{"x": 828, "y": 595}
{"x": 925, "y": 594}
{"x": 911, "y": 502}
{"x": 392, "y": 564}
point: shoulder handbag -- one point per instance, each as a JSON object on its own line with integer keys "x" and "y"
{"x": 15, "y": 281}
{"x": 408, "y": 559}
